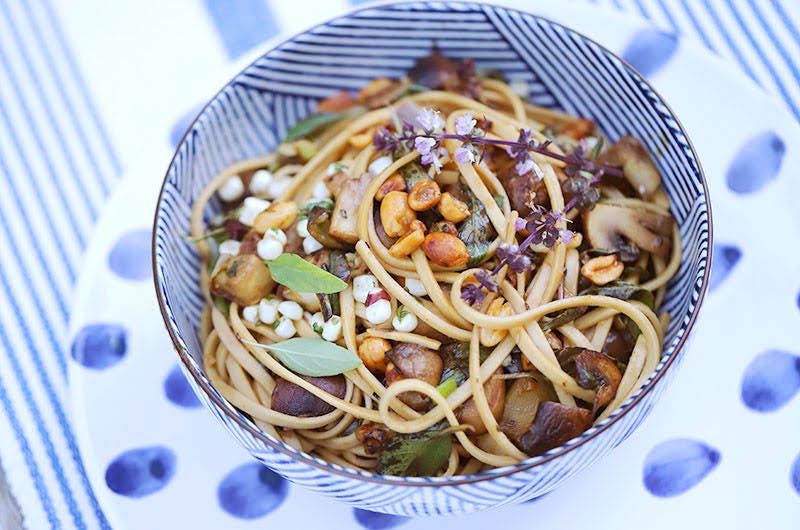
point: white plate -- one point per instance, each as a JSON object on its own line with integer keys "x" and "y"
{"x": 738, "y": 462}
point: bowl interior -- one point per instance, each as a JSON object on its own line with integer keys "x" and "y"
{"x": 563, "y": 69}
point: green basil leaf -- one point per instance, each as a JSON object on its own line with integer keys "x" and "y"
{"x": 419, "y": 454}
{"x": 455, "y": 360}
{"x": 299, "y": 275}
{"x": 623, "y": 291}
{"x": 413, "y": 172}
{"x": 476, "y": 231}
{"x": 312, "y": 356}
{"x": 312, "y": 123}
{"x": 564, "y": 317}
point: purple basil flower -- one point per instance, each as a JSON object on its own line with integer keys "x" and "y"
{"x": 465, "y": 124}
{"x": 424, "y": 144}
{"x": 472, "y": 293}
{"x": 513, "y": 256}
{"x": 430, "y": 120}
{"x": 464, "y": 155}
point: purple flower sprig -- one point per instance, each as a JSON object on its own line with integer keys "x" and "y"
{"x": 542, "y": 228}
{"x": 474, "y": 140}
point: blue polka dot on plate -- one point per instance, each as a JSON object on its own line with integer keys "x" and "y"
{"x": 771, "y": 380}
{"x": 795, "y": 475}
{"x": 130, "y": 256}
{"x": 675, "y": 466}
{"x": 141, "y": 472}
{"x": 649, "y": 50}
{"x": 758, "y": 162}
{"x": 725, "y": 259}
{"x": 251, "y": 491}
{"x": 178, "y": 390}
{"x": 376, "y": 520}
{"x": 99, "y": 346}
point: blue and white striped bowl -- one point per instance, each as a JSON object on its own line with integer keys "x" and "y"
{"x": 565, "y": 70}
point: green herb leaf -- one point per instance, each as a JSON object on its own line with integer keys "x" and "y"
{"x": 299, "y": 275}
{"x": 413, "y": 172}
{"x": 447, "y": 387}
{"x": 564, "y": 317}
{"x": 419, "y": 454}
{"x": 311, "y": 124}
{"x": 401, "y": 312}
{"x": 313, "y": 357}
{"x": 476, "y": 231}
{"x": 623, "y": 291}
{"x": 455, "y": 358}
{"x": 317, "y": 328}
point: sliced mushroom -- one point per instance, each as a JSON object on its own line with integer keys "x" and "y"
{"x": 522, "y": 190}
{"x": 343, "y": 221}
{"x": 495, "y": 390}
{"x": 554, "y": 425}
{"x": 619, "y": 342}
{"x": 637, "y": 165}
{"x": 598, "y": 372}
{"x": 414, "y": 361}
{"x": 373, "y": 437}
{"x": 243, "y": 279}
{"x": 608, "y": 226}
{"x": 319, "y": 226}
{"x": 522, "y": 401}
{"x": 294, "y": 400}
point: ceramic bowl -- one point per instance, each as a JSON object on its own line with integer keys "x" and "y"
{"x": 564, "y": 70}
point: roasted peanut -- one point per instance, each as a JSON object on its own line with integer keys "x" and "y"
{"x": 452, "y": 209}
{"x": 372, "y": 352}
{"x": 498, "y": 308}
{"x": 409, "y": 242}
{"x": 360, "y": 141}
{"x": 578, "y": 129}
{"x": 279, "y": 215}
{"x": 396, "y": 216}
{"x": 424, "y": 195}
{"x": 395, "y": 182}
{"x": 602, "y": 269}
{"x": 445, "y": 250}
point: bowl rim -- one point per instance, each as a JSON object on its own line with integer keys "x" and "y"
{"x": 457, "y": 480}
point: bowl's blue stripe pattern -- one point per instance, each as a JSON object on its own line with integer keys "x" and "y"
{"x": 256, "y": 109}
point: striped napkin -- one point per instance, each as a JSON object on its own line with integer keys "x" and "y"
{"x": 85, "y": 84}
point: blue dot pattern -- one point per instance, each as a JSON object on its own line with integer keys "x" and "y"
{"x": 724, "y": 260}
{"x": 178, "y": 390}
{"x": 99, "y": 346}
{"x": 757, "y": 163}
{"x": 795, "y": 475}
{"x": 140, "y": 472}
{"x": 251, "y": 491}
{"x": 649, "y": 50}
{"x": 130, "y": 256}
{"x": 675, "y": 466}
{"x": 771, "y": 380}
{"x": 376, "y": 520}
{"x": 182, "y": 125}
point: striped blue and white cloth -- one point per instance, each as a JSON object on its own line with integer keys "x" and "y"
{"x": 85, "y": 85}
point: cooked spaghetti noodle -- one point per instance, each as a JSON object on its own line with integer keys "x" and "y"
{"x": 465, "y": 336}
